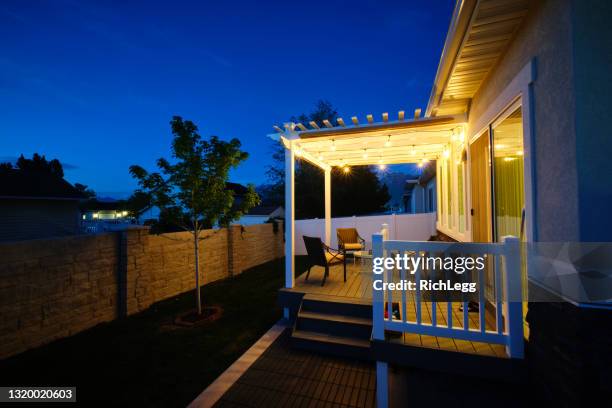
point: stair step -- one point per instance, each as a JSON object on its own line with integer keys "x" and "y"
{"x": 337, "y": 306}
{"x": 334, "y": 324}
{"x": 332, "y": 345}
{"x": 336, "y": 318}
{"x": 328, "y": 338}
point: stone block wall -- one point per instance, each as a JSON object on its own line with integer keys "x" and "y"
{"x": 54, "y": 288}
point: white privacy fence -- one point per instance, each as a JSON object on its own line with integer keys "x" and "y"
{"x": 409, "y": 227}
{"x": 428, "y": 314}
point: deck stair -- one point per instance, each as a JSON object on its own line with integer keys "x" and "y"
{"x": 333, "y": 325}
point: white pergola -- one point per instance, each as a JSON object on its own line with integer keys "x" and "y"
{"x": 382, "y": 143}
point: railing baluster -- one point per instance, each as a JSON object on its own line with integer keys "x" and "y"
{"x": 417, "y": 279}
{"x": 449, "y": 303}
{"x": 434, "y": 305}
{"x": 466, "y": 317}
{"x": 403, "y": 278}
{"x": 498, "y": 295}
{"x": 390, "y": 294}
{"x": 378, "y": 322}
{"x": 481, "y": 300}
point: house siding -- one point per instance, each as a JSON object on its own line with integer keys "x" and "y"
{"x": 22, "y": 219}
{"x": 546, "y": 35}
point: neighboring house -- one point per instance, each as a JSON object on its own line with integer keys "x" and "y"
{"x": 420, "y": 193}
{"x": 516, "y": 127}
{"x": 261, "y": 214}
{"x": 100, "y": 210}
{"x": 104, "y": 215}
{"x": 37, "y": 205}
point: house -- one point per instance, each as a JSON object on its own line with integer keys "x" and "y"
{"x": 37, "y": 205}
{"x": 516, "y": 127}
{"x": 95, "y": 209}
{"x": 261, "y": 214}
{"x": 102, "y": 215}
{"x": 420, "y": 193}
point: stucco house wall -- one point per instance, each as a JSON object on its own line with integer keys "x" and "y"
{"x": 546, "y": 35}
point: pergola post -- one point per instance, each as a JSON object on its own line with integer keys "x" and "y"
{"x": 289, "y": 216}
{"x": 328, "y": 206}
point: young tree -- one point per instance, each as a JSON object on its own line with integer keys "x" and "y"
{"x": 193, "y": 186}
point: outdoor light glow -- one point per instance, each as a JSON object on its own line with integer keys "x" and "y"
{"x": 346, "y": 169}
{"x": 382, "y": 166}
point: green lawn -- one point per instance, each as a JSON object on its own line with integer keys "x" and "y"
{"x": 144, "y": 360}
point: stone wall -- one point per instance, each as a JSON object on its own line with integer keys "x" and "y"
{"x": 54, "y": 288}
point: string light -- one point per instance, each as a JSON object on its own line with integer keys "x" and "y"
{"x": 320, "y": 156}
{"x": 333, "y": 145}
{"x": 519, "y": 153}
{"x": 412, "y": 151}
{"x": 446, "y": 153}
{"x": 365, "y": 153}
{"x": 388, "y": 142}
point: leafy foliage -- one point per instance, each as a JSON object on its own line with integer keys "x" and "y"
{"x": 191, "y": 190}
{"x": 356, "y": 193}
{"x": 86, "y": 191}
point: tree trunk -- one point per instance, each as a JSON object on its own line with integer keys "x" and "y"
{"x": 196, "y": 246}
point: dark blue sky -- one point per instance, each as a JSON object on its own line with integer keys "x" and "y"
{"x": 96, "y": 84}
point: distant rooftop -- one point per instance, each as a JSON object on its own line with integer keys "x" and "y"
{"x": 36, "y": 185}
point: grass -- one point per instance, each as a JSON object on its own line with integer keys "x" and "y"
{"x": 144, "y": 360}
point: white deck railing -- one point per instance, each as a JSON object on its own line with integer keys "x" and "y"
{"x": 502, "y": 274}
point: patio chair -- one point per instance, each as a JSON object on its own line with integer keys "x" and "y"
{"x": 320, "y": 254}
{"x": 349, "y": 240}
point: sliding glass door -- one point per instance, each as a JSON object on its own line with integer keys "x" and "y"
{"x": 508, "y": 176}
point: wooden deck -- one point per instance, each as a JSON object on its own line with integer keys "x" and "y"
{"x": 359, "y": 286}
{"x": 285, "y": 377}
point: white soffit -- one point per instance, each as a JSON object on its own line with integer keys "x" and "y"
{"x": 492, "y": 26}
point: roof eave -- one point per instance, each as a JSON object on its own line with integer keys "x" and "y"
{"x": 460, "y": 21}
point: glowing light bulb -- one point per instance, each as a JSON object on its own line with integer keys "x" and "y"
{"x": 382, "y": 166}
{"x": 346, "y": 169}
{"x": 365, "y": 153}
{"x": 333, "y": 145}
{"x": 519, "y": 153}
{"x": 388, "y": 142}
{"x": 446, "y": 154}
{"x": 412, "y": 151}
{"x": 320, "y": 156}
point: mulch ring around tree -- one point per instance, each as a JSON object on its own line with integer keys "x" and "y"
{"x": 192, "y": 318}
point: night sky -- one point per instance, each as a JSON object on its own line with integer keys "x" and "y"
{"x": 95, "y": 83}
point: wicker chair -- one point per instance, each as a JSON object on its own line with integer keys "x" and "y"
{"x": 349, "y": 240}
{"x": 320, "y": 254}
